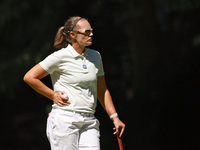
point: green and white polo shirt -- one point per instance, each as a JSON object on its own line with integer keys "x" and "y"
{"x": 76, "y": 75}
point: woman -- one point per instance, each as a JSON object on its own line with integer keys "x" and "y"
{"x": 78, "y": 80}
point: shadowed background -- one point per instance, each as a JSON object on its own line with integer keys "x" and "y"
{"x": 150, "y": 51}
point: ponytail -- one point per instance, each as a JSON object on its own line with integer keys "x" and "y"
{"x": 60, "y": 39}
{"x": 63, "y": 38}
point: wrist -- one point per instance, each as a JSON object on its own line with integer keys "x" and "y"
{"x": 53, "y": 95}
{"x": 113, "y": 116}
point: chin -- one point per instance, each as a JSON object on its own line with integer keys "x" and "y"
{"x": 89, "y": 43}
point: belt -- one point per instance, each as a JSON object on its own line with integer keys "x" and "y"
{"x": 84, "y": 114}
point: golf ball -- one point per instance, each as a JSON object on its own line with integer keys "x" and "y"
{"x": 65, "y": 95}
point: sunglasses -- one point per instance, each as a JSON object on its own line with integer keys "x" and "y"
{"x": 87, "y": 32}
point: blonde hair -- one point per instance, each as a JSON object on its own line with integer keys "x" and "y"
{"x": 63, "y": 38}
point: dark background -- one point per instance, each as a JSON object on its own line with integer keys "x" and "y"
{"x": 150, "y": 51}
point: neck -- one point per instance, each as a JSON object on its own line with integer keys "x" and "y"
{"x": 79, "y": 49}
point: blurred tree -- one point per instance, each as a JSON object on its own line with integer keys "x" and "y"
{"x": 150, "y": 50}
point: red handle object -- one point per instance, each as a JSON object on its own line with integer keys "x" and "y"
{"x": 120, "y": 142}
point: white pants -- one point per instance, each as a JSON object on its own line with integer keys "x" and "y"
{"x": 68, "y": 130}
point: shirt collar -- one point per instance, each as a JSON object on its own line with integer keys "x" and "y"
{"x": 74, "y": 52}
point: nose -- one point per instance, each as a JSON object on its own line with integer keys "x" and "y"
{"x": 91, "y": 34}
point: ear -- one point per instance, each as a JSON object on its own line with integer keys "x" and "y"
{"x": 72, "y": 35}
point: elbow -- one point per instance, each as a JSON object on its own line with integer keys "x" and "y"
{"x": 26, "y": 78}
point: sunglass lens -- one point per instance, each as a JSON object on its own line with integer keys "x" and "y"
{"x": 88, "y": 31}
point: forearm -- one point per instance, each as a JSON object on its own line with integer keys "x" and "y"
{"x": 33, "y": 79}
{"x": 40, "y": 87}
{"x": 107, "y": 103}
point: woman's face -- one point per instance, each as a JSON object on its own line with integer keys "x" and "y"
{"x": 83, "y": 34}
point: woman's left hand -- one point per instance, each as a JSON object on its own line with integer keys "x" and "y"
{"x": 119, "y": 126}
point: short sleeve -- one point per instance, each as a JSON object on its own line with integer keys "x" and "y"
{"x": 101, "y": 70}
{"x": 51, "y": 63}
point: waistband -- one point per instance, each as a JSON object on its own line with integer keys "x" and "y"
{"x": 84, "y": 114}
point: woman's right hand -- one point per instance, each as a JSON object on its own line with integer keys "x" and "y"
{"x": 61, "y": 100}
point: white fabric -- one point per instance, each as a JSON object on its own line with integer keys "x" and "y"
{"x": 73, "y": 131}
{"x": 76, "y": 75}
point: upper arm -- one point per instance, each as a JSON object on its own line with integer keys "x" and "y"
{"x": 101, "y": 86}
{"x": 37, "y": 72}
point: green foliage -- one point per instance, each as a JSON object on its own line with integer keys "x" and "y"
{"x": 181, "y": 5}
{"x": 150, "y": 51}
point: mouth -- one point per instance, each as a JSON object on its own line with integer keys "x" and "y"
{"x": 90, "y": 40}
